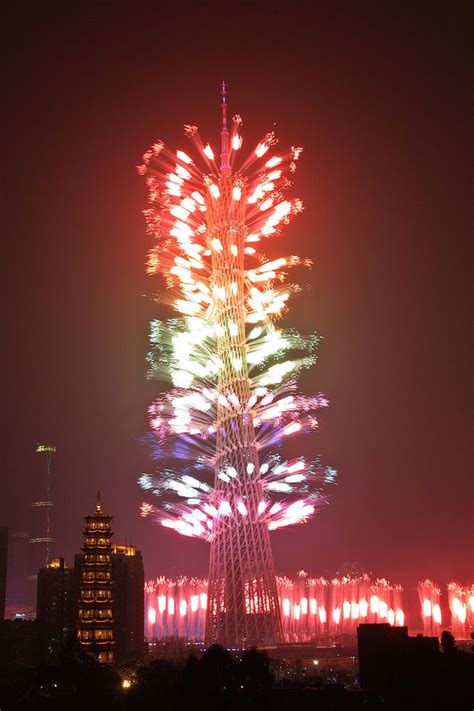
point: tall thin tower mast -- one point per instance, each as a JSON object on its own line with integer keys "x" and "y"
{"x": 40, "y": 534}
{"x": 243, "y": 603}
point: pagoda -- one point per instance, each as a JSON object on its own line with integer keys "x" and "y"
{"x": 95, "y": 621}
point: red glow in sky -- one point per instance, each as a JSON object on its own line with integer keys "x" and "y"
{"x": 378, "y": 97}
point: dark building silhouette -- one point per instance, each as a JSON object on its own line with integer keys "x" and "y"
{"x": 3, "y": 568}
{"x": 95, "y": 609}
{"x": 129, "y": 607}
{"x": 385, "y": 650}
{"x": 17, "y": 571}
{"x": 23, "y": 642}
{"x": 411, "y": 671}
{"x": 56, "y": 602}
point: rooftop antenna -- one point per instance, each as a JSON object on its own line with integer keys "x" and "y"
{"x": 225, "y": 156}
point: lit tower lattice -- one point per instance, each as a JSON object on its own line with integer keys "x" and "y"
{"x": 233, "y": 372}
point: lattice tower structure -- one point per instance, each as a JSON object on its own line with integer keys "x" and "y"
{"x": 233, "y": 370}
{"x": 243, "y": 605}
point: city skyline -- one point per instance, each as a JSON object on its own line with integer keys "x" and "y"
{"x": 390, "y": 282}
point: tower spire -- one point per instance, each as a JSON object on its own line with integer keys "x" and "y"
{"x": 99, "y": 503}
{"x": 225, "y": 155}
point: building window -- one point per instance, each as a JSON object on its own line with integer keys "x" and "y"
{"x": 86, "y": 614}
{"x": 85, "y": 634}
{"x": 104, "y": 614}
{"x": 103, "y": 634}
{"x": 103, "y": 594}
{"x": 106, "y": 657}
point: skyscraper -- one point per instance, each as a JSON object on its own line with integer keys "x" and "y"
{"x": 18, "y": 585}
{"x": 3, "y": 568}
{"x": 56, "y": 602}
{"x": 129, "y": 608}
{"x": 41, "y": 517}
{"x": 95, "y": 618}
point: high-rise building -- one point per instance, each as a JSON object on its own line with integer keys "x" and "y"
{"x": 128, "y": 592}
{"x": 56, "y": 602}
{"x": 41, "y": 518}
{"x": 17, "y": 577}
{"x": 95, "y": 616}
{"x": 3, "y": 568}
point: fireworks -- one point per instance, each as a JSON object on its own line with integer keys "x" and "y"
{"x": 461, "y": 605}
{"x": 230, "y": 362}
{"x": 315, "y": 607}
{"x": 176, "y": 607}
{"x": 311, "y": 607}
{"x": 233, "y": 369}
{"x": 430, "y": 595}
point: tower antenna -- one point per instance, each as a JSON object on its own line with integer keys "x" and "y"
{"x": 225, "y": 157}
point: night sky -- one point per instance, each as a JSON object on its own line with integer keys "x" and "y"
{"x": 377, "y": 95}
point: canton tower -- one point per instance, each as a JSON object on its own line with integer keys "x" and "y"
{"x": 233, "y": 369}
{"x": 242, "y": 596}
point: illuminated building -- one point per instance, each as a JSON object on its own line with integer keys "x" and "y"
{"x": 95, "y": 618}
{"x": 40, "y": 531}
{"x": 129, "y": 605}
{"x": 56, "y": 602}
{"x": 233, "y": 369}
{"x": 3, "y": 568}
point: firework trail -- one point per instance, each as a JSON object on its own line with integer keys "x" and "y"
{"x": 187, "y": 350}
{"x": 429, "y": 595}
{"x": 312, "y": 608}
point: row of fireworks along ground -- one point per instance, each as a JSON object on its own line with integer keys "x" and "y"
{"x": 311, "y": 607}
